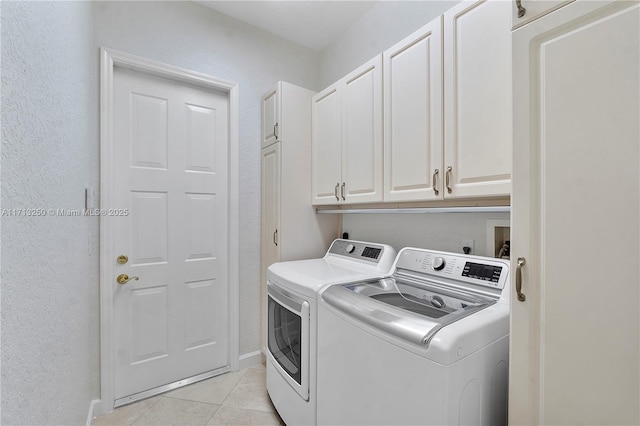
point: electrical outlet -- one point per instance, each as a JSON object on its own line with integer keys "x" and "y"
{"x": 467, "y": 243}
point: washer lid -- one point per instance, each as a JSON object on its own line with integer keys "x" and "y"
{"x": 411, "y": 310}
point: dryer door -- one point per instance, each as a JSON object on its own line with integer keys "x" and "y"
{"x": 288, "y": 337}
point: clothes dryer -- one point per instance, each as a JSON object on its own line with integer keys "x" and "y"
{"x": 292, "y": 289}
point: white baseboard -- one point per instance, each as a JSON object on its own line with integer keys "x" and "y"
{"x": 95, "y": 409}
{"x": 251, "y": 359}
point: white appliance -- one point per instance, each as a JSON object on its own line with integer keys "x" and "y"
{"x": 292, "y": 289}
{"x": 427, "y": 345}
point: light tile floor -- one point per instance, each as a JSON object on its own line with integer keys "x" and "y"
{"x": 235, "y": 398}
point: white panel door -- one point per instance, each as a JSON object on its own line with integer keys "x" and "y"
{"x": 170, "y": 168}
{"x": 477, "y": 99}
{"x": 413, "y": 116}
{"x": 362, "y": 134}
{"x": 575, "y": 349}
{"x": 326, "y": 146}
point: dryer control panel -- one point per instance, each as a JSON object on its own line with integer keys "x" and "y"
{"x": 358, "y": 250}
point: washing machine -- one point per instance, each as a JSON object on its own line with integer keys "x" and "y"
{"x": 292, "y": 291}
{"x": 426, "y": 345}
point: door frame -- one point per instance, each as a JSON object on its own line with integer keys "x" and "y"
{"x": 109, "y": 60}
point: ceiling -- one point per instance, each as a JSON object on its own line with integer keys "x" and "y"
{"x": 311, "y": 23}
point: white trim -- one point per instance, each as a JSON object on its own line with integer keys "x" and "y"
{"x": 109, "y": 60}
{"x": 251, "y": 359}
{"x": 95, "y": 409}
{"x": 234, "y": 228}
{"x": 418, "y": 210}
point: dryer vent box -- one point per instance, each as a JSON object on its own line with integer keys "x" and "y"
{"x": 498, "y": 232}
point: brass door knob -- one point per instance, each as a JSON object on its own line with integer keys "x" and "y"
{"x": 124, "y": 278}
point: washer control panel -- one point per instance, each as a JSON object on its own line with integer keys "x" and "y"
{"x": 483, "y": 271}
{"x": 357, "y": 250}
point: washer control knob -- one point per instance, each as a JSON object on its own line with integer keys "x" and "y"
{"x": 438, "y": 302}
{"x": 437, "y": 264}
{"x": 350, "y": 248}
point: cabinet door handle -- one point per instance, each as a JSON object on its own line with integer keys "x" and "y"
{"x": 521, "y": 9}
{"x": 435, "y": 181}
{"x": 275, "y": 131}
{"x": 275, "y": 237}
{"x": 335, "y": 191}
{"x": 447, "y": 179}
{"x": 342, "y": 191}
{"x": 521, "y": 262}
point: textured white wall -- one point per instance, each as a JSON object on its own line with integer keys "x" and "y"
{"x": 193, "y": 36}
{"x": 440, "y": 231}
{"x": 50, "y": 146}
{"x": 50, "y": 356}
{"x": 380, "y": 28}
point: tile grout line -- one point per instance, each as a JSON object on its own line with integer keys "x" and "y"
{"x": 234, "y": 387}
{"x": 146, "y": 411}
{"x": 271, "y": 408}
{"x": 167, "y": 394}
{"x": 190, "y": 400}
{"x": 213, "y": 415}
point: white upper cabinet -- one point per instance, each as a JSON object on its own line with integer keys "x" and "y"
{"x": 270, "y": 116}
{"x": 447, "y": 116}
{"x": 477, "y": 99}
{"x": 525, "y": 11}
{"x": 413, "y": 116}
{"x": 276, "y": 125}
{"x": 447, "y": 107}
{"x": 326, "y": 151}
{"x": 362, "y": 134}
{"x": 347, "y": 138}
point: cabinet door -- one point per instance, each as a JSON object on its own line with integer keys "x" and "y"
{"x": 477, "y": 98}
{"x": 413, "y": 116}
{"x": 270, "y": 117}
{"x": 326, "y": 141}
{"x": 362, "y": 134}
{"x": 270, "y": 250}
{"x": 526, "y": 11}
{"x": 576, "y": 217}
